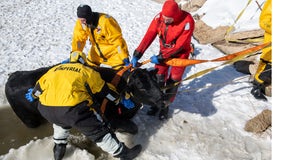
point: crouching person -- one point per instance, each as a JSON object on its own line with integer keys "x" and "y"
{"x": 65, "y": 100}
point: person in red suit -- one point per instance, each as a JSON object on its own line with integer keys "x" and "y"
{"x": 174, "y": 27}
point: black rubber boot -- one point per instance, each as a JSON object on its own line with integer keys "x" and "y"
{"x": 258, "y": 91}
{"x": 59, "y": 151}
{"x": 129, "y": 153}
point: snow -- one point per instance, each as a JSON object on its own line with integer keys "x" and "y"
{"x": 209, "y": 114}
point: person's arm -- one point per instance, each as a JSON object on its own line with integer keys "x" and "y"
{"x": 99, "y": 88}
{"x": 148, "y": 37}
{"x": 146, "y": 41}
{"x": 115, "y": 38}
{"x": 33, "y": 93}
{"x": 80, "y": 37}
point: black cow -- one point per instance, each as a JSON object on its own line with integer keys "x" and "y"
{"x": 139, "y": 83}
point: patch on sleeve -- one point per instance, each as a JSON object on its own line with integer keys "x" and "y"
{"x": 187, "y": 26}
{"x": 110, "y": 97}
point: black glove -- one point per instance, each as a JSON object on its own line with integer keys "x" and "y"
{"x": 258, "y": 91}
{"x": 129, "y": 153}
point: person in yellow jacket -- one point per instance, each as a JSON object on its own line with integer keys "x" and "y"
{"x": 66, "y": 94}
{"x": 262, "y": 77}
{"x": 108, "y": 47}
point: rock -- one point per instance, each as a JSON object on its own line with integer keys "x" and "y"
{"x": 191, "y": 6}
{"x": 205, "y": 34}
{"x": 245, "y": 36}
{"x": 260, "y": 122}
{"x": 229, "y": 48}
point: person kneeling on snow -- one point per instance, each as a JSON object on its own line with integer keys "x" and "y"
{"x": 65, "y": 100}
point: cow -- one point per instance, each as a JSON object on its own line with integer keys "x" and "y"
{"x": 140, "y": 83}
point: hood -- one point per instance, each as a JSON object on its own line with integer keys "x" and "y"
{"x": 171, "y": 9}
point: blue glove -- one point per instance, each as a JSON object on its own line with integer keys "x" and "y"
{"x": 126, "y": 61}
{"x": 134, "y": 61}
{"x": 127, "y": 103}
{"x": 65, "y": 61}
{"x": 29, "y": 95}
{"x": 155, "y": 60}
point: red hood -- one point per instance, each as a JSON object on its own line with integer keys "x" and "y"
{"x": 171, "y": 9}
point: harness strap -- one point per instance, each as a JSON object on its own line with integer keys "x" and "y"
{"x": 97, "y": 45}
{"x": 163, "y": 39}
{"x": 114, "y": 81}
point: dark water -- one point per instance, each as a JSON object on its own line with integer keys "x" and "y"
{"x": 13, "y": 133}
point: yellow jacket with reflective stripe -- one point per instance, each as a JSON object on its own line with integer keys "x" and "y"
{"x": 108, "y": 37}
{"x": 64, "y": 85}
{"x": 265, "y": 22}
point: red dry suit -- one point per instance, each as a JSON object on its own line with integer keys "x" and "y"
{"x": 174, "y": 38}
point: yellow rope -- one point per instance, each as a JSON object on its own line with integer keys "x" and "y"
{"x": 248, "y": 40}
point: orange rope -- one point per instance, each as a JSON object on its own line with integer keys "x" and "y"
{"x": 187, "y": 62}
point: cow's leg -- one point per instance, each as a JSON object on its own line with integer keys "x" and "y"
{"x": 169, "y": 98}
{"x": 161, "y": 79}
{"x": 124, "y": 125}
{"x": 120, "y": 117}
{"x": 171, "y": 91}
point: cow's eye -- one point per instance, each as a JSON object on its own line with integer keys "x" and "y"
{"x": 139, "y": 84}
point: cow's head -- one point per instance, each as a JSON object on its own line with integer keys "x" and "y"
{"x": 143, "y": 87}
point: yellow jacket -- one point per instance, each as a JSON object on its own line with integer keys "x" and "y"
{"x": 107, "y": 36}
{"x": 265, "y": 22}
{"x": 64, "y": 85}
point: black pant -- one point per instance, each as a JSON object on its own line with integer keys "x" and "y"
{"x": 79, "y": 117}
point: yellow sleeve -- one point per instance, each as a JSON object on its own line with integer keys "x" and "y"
{"x": 96, "y": 83}
{"x": 101, "y": 88}
{"x": 266, "y": 17}
{"x": 116, "y": 38}
{"x": 80, "y": 37}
